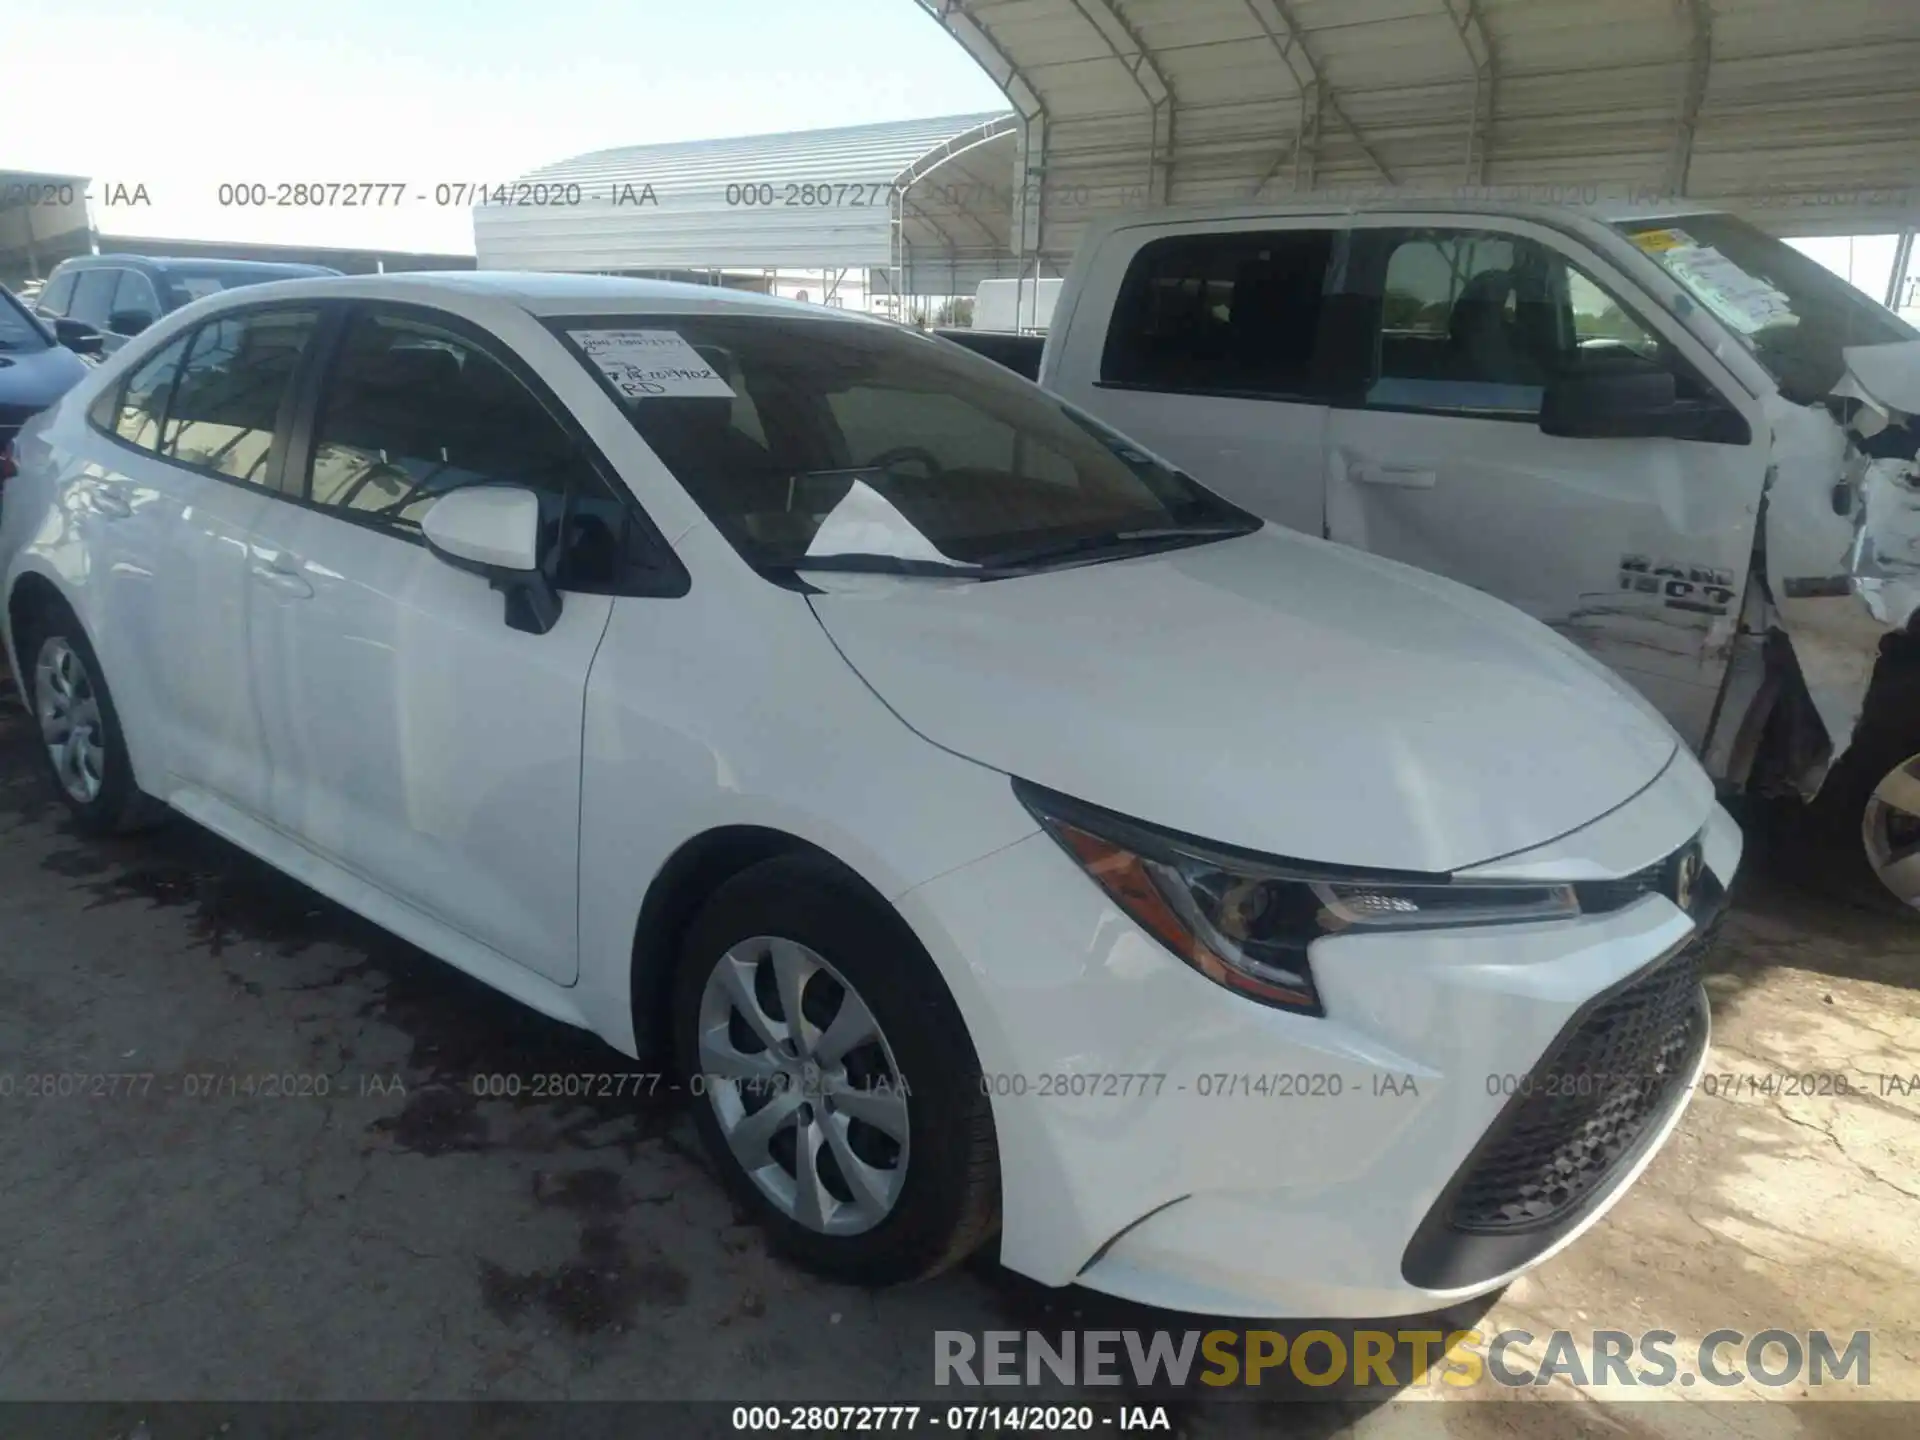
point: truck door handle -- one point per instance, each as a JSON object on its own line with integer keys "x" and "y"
{"x": 280, "y": 574}
{"x": 1402, "y": 477}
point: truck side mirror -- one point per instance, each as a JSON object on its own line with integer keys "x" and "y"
{"x": 1635, "y": 404}
{"x": 1612, "y": 406}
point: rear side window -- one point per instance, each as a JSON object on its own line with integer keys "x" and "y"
{"x": 58, "y": 294}
{"x": 142, "y": 408}
{"x": 413, "y": 410}
{"x": 230, "y": 388}
{"x": 1234, "y": 314}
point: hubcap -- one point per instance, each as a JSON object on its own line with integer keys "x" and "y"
{"x": 1890, "y": 828}
{"x": 69, "y": 715}
{"x": 804, "y": 1085}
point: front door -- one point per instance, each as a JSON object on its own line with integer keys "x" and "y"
{"x": 415, "y": 739}
{"x": 1636, "y": 549}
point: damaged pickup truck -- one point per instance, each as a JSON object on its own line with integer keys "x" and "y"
{"x": 1678, "y": 441}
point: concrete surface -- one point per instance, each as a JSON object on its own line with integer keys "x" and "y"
{"x": 401, "y": 1238}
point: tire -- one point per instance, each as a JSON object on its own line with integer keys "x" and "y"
{"x": 1836, "y": 845}
{"x": 941, "y": 1178}
{"x": 54, "y": 651}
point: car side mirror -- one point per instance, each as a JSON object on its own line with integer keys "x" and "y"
{"x": 129, "y": 322}
{"x": 1634, "y": 405}
{"x": 494, "y": 531}
{"x": 78, "y": 336}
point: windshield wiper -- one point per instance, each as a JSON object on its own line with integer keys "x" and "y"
{"x": 1121, "y": 542}
{"x": 863, "y": 563}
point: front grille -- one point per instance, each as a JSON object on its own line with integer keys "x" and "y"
{"x": 1582, "y": 1110}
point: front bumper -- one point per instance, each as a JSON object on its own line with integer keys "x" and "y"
{"x": 1167, "y": 1141}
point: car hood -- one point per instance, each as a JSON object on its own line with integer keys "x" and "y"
{"x": 1272, "y": 691}
{"x": 34, "y": 379}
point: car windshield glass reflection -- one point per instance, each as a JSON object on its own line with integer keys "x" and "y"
{"x": 811, "y": 441}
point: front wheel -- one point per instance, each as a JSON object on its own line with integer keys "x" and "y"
{"x": 834, "y": 1084}
{"x": 1866, "y": 819}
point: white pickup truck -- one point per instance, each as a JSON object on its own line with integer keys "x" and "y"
{"x": 1676, "y": 440}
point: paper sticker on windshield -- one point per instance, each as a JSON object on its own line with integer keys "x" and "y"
{"x": 1657, "y": 240}
{"x": 1749, "y": 303}
{"x": 645, "y": 364}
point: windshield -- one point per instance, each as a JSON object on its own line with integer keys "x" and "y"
{"x": 18, "y": 330}
{"x": 822, "y": 442}
{"x": 1796, "y": 315}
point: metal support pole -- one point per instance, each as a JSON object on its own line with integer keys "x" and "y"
{"x": 1902, "y": 262}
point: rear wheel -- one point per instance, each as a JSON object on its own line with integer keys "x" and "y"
{"x": 80, "y": 735}
{"x": 834, "y": 1084}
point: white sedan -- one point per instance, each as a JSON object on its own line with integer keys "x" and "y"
{"x": 1008, "y": 839}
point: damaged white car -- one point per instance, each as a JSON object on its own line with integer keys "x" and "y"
{"x": 1675, "y": 439}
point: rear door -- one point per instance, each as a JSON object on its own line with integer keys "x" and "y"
{"x": 1637, "y": 549}
{"x": 416, "y": 740}
{"x": 1205, "y": 347}
{"x": 195, "y": 451}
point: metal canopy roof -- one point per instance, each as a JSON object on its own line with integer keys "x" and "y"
{"x": 890, "y": 195}
{"x": 1801, "y": 113}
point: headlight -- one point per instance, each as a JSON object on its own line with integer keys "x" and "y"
{"x": 1245, "y": 921}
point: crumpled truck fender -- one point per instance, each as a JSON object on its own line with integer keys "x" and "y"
{"x": 1842, "y": 556}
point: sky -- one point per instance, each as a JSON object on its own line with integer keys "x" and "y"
{"x": 179, "y": 96}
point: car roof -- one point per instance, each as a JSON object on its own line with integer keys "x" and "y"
{"x": 203, "y": 267}
{"x": 1474, "y": 200}
{"x": 543, "y": 293}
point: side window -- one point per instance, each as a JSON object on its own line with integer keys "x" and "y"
{"x": 1235, "y": 314}
{"x": 142, "y": 407}
{"x": 230, "y": 388}
{"x": 58, "y": 294}
{"x": 134, "y": 296}
{"x": 93, "y": 296}
{"x": 1479, "y": 322}
{"x": 1601, "y": 326}
{"x": 412, "y": 411}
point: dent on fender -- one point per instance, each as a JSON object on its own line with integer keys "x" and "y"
{"x": 1843, "y": 531}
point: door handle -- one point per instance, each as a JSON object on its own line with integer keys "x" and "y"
{"x": 1402, "y": 477}
{"x": 108, "y": 504}
{"x": 278, "y": 573}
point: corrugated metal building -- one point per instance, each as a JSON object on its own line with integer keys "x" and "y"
{"x": 921, "y": 203}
